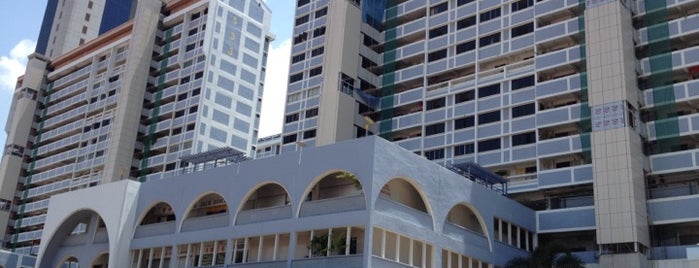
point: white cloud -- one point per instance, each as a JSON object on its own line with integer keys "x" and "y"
{"x": 13, "y": 65}
{"x": 275, "y": 88}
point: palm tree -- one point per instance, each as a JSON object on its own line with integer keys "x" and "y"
{"x": 548, "y": 256}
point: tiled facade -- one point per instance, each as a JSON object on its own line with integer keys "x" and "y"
{"x": 174, "y": 80}
{"x": 586, "y": 107}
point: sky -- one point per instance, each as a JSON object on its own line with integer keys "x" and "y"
{"x": 19, "y": 29}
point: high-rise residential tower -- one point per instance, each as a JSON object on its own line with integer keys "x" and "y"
{"x": 586, "y": 107}
{"x": 125, "y": 95}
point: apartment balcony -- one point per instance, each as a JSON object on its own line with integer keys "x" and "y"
{"x": 682, "y": 58}
{"x": 205, "y": 222}
{"x": 557, "y": 86}
{"x": 155, "y": 229}
{"x": 672, "y": 252}
{"x": 566, "y": 219}
{"x": 558, "y": 146}
{"x": 264, "y": 214}
{"x": 395, "y": 211}
{"x": 462, "y": 234}
{"x": 685, "y": 91}
{"x": 673, "y": 209}
{"x": 558, "y": 58}
{"x": 262, "y": 264}
{"x": 557, "y": 30}
{"x": 674, "y": 162}
{"x": 346, "y": 261}
{"x": 547, "y": 7}
{"x": 565, "y": 176}
{"x": 332, "y": 205}
{"x": 679, "y": 27}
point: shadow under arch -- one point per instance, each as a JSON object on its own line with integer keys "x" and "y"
{"x": 268, "y": 200}
{"x": 64, "y": 234}
{"x": 331, "y": 192}
{"x": 409, "y": 194}
{"x": 101, "y": 261}
{"x": 158, "y": 219}
{"x": 465, "y": 216}
{"x": 208, "y": 210}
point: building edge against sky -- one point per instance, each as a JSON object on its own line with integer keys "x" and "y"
{"x": 584, "y": 106}
{"x": 171, "y": 80}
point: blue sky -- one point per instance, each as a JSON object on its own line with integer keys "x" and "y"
{"x": 19, "y": 27}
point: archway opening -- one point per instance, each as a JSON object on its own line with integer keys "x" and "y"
{"x": 464, "y": 217}
{"x": 266, "y": 196}
{"x": 102, "y": 261}
{"x": 70, "y": 262}
{"x": 401, "y": 191}
{"x": 210, "y": 204}
{"x": 336, "y": 184}
{"x": 161, "y": 212}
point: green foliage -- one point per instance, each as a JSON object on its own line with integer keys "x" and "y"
{"x": 548, "y": 256}
{"x": 319, "y": 245}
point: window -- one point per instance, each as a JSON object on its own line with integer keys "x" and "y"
{"x": 84, "y": 29}
{"x": 315, "y": 71}
{"x": 524, "y": 138}
{"x": 89, "y": 4}
{"x": 297, "y": 58}
{"x": 434, "y": 154}
{"x": 439, "y": 31}
{"x": 302, "y": 37}
{"x": 522, "y": 4}
{"x": 434, "y": 129}
{"x": 321, "y": 12}
{"x": 437, "y": 55}
{"x": 439, "y": 8}
{"x": 289, "y": 138}
{"x": 488, "y": 90}
{"x": 465, "y": 23}
{"x": 319, "y": 31}
{"x": 465, "y": 47}
{"x": 489, "y": 15}
{"x": 309, "y": 134}
{"x": 87, "y": 17}
{"x": 317, "y": 51}
{"x": 301, "y": 20}
{"x": 295, "y": 78}
{"x": 301, "y": 3}
{"x": 464, "y": 122}
{"x": 311, "y": 112}
{"x": 489, "y": 145}
{"x": 435, "y": 104}
{"x": 465, "y": 96}
{"x": 522, "y": 110}
{"x": 463, "y": 149}
{"x": 523, "y": 82}
{"x": 489, "y": 117}
{"x": 291, "y": 118}
{"x": 463, "y": 2}
{"x": 367, "y": 63}
{"x": 489, "y": 40}
{"x": 523, "y": 29}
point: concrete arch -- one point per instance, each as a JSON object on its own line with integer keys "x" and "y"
{"x": 200, "y": 208}
{"x": 333, "y": 174}
{"x": 149, "y": 209}
{"x": 242, "y": 206}
{"x": 480, "y": 221}
{"x": 200, "y": 198}
{"x": 101, "y": 261}
{"x": 69, "y": 260}
{"x": 403, "y": 199}
{"x": 55, "y": 255}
